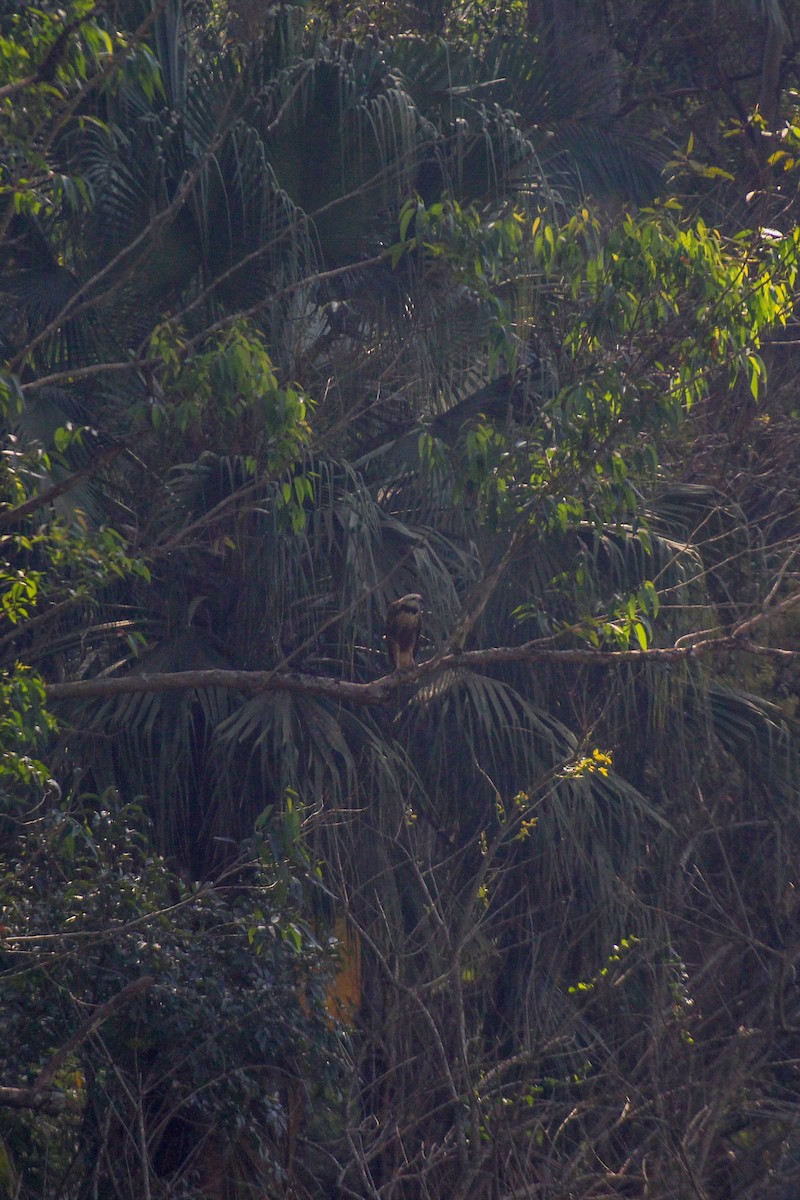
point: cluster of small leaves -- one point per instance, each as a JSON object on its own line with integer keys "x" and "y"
{"x": 518, "y": 815}
{"x": 785, "y": 163}
{"x": 208, "y": 1047}
{"x": 612, "y": 963}
{"x": 47, "y": 558}
{"x": 661, "y": 310}
{"x": 285, "y": 850}
{"x": 683, "y": 1006}
{"x": 647, "y": 318}
{"x": 53, "y": 45}
{"x": 49, "y": 56}
{"x": 226, "y": 396}
{"x": 61, "y": 561}
{"x": 627, "y": 623}
{"x": 480, "y": 250}
{"x": 25, "y": 725}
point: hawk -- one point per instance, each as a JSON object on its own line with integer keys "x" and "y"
{"x": 403, "y": 625}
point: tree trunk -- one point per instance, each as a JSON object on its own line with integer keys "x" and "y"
{"x": 579, "y": 33}
{"x": 769, "y": 96}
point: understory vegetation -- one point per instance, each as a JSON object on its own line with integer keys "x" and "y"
{"x": 304, "y": 307}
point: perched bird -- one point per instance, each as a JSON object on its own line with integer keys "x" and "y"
{"x": 403, "y": 625}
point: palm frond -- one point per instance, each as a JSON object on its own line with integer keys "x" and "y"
{"x": 761, "y": 739}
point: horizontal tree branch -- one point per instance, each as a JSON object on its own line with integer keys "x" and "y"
{"x": 51, "y": 1102}
{"x": 379, "y": 691}
{"x": 766, "y": 614}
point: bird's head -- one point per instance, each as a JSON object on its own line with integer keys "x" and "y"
{"x": 410, "y": 603}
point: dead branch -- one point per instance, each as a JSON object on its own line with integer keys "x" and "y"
{"x": 41, "y": 1095}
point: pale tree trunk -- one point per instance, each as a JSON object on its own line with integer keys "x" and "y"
{"x": 775, "y": 35}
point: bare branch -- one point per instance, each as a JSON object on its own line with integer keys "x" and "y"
{"x": 41, "y": 1096}
{"x": 766, "y": 614}
{"x": 379, "y": 691}
{"x": 87, "y": 1027}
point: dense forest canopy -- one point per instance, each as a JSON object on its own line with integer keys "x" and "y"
{"x": 303, "y": 308}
